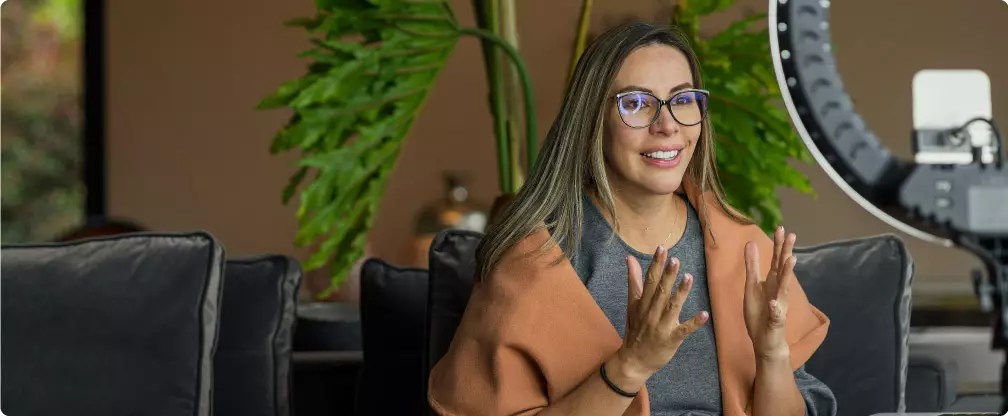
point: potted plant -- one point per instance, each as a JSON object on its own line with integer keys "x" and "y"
{"x": 373, "y": 62}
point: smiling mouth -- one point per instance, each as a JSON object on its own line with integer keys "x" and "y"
{"x": 666, "y": 155}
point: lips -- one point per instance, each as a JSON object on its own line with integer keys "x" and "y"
{"x": 662, "y": 154}
{"x": 663, "y": 158}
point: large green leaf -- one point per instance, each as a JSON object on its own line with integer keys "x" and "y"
{"x": 372, "y": 65}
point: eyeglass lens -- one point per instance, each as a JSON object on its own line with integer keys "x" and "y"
{"x": 639, "y": 109}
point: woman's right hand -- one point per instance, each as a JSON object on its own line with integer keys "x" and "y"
{"x": 653, "y": 331}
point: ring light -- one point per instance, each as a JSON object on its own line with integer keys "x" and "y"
{"x": 954, "y": 193}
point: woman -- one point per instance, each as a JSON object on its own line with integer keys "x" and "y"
{"x": 565, "y": 320}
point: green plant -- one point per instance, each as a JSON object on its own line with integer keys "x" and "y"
{"x": 372, "y": 65}
{"x": 755, "y": 141}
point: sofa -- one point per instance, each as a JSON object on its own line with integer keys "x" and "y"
{"x": 146, "y": 323}
{"x": 165, "y": 324}
{"x": 410, "y": 315}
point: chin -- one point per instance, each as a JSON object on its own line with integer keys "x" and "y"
{"x": 662, "y": 186}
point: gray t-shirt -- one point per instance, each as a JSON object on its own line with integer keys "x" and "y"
{"x": 690, "y": 384}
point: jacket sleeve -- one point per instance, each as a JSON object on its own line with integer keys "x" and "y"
{"x": 485, "y": 371}
{"x": 530, "y": 335}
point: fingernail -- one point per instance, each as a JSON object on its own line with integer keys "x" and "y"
{"x": 660, "y": 250}
{"x": 688, "y": 278}
{"x": 780, "y": 227}
{"x": 704, "y": 315}
{"x": 675, "y": 260}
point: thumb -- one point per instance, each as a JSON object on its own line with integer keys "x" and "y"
{"x": 752, "y": 266}
{"x": 635, "y": 283}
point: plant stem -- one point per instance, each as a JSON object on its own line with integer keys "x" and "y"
{"x": 410, "y": 52}
{"x": 509, "y": 32}
{"x": 408, "y": 70}
{"x": 444, "y": 35}
{"x": 532, "y": 142}
{"x": 487, "y": 18}
{"x": 582, "y": 34}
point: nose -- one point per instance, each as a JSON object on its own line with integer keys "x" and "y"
{"x": 665, "y": 125}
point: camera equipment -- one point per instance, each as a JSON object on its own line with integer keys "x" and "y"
{"x": 955, "y": 191}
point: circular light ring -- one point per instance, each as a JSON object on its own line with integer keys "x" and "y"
{"x": 824, "y": 116}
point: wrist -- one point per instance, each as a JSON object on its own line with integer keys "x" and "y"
{"x": 774, "y": 356}
{"x": 626, "y": 372}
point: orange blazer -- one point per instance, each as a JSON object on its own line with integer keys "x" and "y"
{"x": 531, "y": 332}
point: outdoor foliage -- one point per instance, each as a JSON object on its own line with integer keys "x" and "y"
{"x": 42, "y": 190}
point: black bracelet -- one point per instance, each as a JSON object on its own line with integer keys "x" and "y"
{"x": 613, "y": 386}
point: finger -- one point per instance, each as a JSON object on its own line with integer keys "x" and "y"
{"x": 664, "y": 292}
{"x": 784, "y": 285}
{"x": 752, "y": 266}
{"x": 786, "y": 250}
{"x": 786, "y": 254}
{"x": 778, "y": 244}
{"x": 653, "y": 276}
{"x": 674, "y": 306}
{"x": 690, "y": 326}
{"x": 635, "y": 285}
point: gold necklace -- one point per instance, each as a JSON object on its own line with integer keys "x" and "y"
{"x": 674, "y": 222}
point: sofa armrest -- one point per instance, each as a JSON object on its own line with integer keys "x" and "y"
{"x": 931, "y": 384}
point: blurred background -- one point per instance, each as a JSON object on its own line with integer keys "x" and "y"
{"x": 145, "y": 114}
{"x": 184, "y": 147}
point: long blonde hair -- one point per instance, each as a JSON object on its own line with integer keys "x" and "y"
{"x": 572, "y": 160}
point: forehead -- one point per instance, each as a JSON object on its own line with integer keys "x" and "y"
{"x": 659, "y": 68}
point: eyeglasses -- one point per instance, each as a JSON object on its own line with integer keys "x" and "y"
{"x": 639, "y": 109}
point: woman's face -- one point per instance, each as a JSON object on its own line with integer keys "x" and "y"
{"x": 652, "y": 158}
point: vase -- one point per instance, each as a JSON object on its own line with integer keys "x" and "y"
{"x": 455, "y": 209}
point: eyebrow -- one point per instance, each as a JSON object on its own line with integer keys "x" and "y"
{"x": 627, "y": 88}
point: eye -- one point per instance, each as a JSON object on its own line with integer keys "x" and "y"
{"x": 683, "y": 99}
{"x": 632, "y": 103}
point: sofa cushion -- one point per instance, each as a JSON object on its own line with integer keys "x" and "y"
{"x": 931, "y": 383}
{"x": 252, "y": 366}
{"x": 863, "y": 286}
{"x": 393, "y": 312}
{"x": 122, "y": 325}
{"x": 452, "y": 271}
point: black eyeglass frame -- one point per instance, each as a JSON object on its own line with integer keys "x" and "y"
{"x": 666, "y": 104}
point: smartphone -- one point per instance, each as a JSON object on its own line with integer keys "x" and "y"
{"x": 946, "y": 99}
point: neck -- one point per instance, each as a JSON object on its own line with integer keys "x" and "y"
{"x": 640, "y": 210}
{"x": 646, "y": 220}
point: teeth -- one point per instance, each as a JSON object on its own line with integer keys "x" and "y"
{"x": 666, "y": 155}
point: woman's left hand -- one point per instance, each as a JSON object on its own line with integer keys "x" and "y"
{"x": 766, "y": 298}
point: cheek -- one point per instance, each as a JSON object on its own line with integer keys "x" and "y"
{"x": 693, "y": 133}
{"x": 620, "y": 140}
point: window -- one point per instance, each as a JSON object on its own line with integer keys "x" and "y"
{"x": 42, "y": 146}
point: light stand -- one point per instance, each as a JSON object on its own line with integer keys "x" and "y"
{"x": 954, "y": 204}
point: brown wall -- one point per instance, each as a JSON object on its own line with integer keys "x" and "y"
{"x": 186, "y": 149}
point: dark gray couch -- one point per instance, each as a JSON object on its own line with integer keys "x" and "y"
{"x": 863, "y": 285}
{"x": 151, "y": 324}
